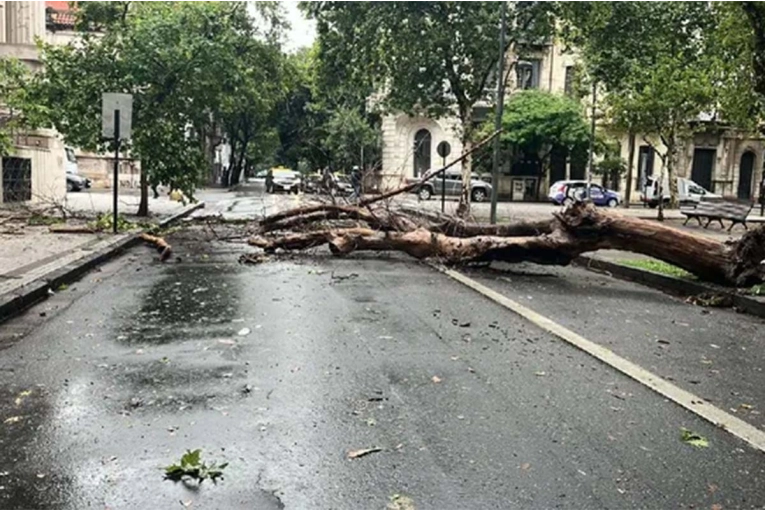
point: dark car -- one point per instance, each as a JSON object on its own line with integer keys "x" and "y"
{"x": 452, "y": 184}
{"x": 75, "y": 182}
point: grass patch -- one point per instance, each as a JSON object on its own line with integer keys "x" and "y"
{"x": 657, "y": 266}
{"x": 42, "y": 220}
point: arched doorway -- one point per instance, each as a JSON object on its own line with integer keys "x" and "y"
{"x": 745, "y": 171}
{"x": 422, "y": 141}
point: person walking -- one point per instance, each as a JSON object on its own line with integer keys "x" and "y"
{"x": 270, "y": 181}
{"x": 356, "y": 183}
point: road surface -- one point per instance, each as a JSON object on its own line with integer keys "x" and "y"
{"x": 283, "y": 368}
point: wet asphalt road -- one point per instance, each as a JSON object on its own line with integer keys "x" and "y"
{"x": 474, "y": 408}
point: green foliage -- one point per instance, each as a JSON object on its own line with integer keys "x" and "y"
{"x": 191, "y": 466}
{"x": 347, "y": 134}
{"x": 612, "y": 165}
{"x": 37, "y": 219}
{"x": 191, "y": 67}
{"x": 655, "y": 62}
{"x": 657, "y": 266}
{"x": 537, "y": 121}
{"x": 693, "y": 439}
{"x": 105, "y": 223}
{"x": 21, "y": 110}
{"x": 757, "y": 290}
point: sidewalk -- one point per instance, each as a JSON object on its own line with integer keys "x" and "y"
{"x": 32, "y": 252}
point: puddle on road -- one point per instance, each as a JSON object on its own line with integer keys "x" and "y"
{"x": 194, "y": 301}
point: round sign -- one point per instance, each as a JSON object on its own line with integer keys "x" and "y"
{"x": 444, "y": 149}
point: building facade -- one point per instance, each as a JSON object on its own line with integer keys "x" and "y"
{"x": 722, "y": 160}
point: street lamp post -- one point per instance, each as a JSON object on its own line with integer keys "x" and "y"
{"x": 498, "y": 114}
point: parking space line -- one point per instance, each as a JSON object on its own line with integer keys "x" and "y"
{"x": 739, "y": 428}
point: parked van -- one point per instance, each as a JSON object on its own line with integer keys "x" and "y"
{"x": 688, "y": 192}
{"x": 74, "y": 181}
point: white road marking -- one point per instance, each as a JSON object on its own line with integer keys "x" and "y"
{"x": 739, "y": 428}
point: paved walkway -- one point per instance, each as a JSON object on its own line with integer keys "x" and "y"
{"x": 29, "y": 252}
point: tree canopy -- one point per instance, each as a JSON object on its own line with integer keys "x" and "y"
{"x": 195, "y": 69}
{"x": 431, "y": 58}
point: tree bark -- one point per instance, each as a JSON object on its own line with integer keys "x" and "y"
{"x": 630, "y": 168}
{"x": 143, "y": 206}
{"x": 577, "y": 230}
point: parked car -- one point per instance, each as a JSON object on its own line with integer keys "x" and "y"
{"x": 568, "y": 192}
{"x": 480, "y": 191}
{"x": 75, "y": 182}
{"x": 285, "y": 180}
{"x": 688, "y": 192}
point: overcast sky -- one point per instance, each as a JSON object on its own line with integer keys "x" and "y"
{"x": 303, "y": 31}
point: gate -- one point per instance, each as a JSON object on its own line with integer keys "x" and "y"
{"x": 17, "y": 179}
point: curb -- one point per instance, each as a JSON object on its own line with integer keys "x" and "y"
{"x": 670, "y": 284}
{"x": 15, "y": 302}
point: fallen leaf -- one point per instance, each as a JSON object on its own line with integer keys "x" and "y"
{"x": 714, "y": 346}
{"x": 471, "y": 370}
{"x": 355, "y": 454}
{"x": 436, "y": 379}
{"x": 454, "y": 358}
{"x": 525, "y": 466}
{"x": 227, "y": 342}
{"x": 12, "y": 419}
{"x": 400, "y": 502}
{"x": 693, "y": 438}
{"x": 244, "y": 332}
{"x": 540, "y": 374}
{"x": 746, "y": 406}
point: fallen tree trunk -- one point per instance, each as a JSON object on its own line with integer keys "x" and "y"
{"x": 576, "y": 230}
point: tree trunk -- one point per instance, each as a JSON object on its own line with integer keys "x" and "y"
{"x": 630, "y": 167}
{"x": 463, "y": 210}
{"x": 143, "y": 206}
{"x": 671, "y": 155}
{"x": 577, "y": 230}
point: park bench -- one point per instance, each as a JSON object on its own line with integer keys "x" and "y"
{"x": 736, "y": 212}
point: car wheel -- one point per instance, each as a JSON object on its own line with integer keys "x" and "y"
{"x": 424, "y": 193}
{"x": 612, "y": 202}
{"x": 69, "y": 186}
{"x": 478, "y": 195}
{"x": 568, "y": 201}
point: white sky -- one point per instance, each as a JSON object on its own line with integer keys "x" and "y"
{"x": 303, "y": 31}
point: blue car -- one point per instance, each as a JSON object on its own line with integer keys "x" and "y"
{"x": 568, "y": 192}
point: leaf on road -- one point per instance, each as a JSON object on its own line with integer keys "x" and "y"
{"x": 400, "y": 502}
{"x": 540, "y": 374}
{"x": 436, "y": 379}
{"x": 693, "y": 438}
{"x": 12, "y": 419}
{"x": 244, "y": 332}
{"x": 227, "y": 342}
{"x": 355, "y": 454}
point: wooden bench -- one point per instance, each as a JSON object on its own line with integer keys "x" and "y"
{"x": 736, "y": 212}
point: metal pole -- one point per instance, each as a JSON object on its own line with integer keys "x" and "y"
{"x": 443, "y": 187}
{"x": 116, "y": 165}
{"x": 498, "y": 114}
{"x": 592, "y": 140}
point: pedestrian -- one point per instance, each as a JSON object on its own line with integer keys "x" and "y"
{"x": 356, "y": 182}
{"x": 269, "y": 181}
{"x": 328, "y": 181}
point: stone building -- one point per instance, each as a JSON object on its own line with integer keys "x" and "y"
{"x": 720, "y": 159}
{"x": 35, "y": 172}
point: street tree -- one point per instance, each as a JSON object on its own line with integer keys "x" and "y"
{"x": 653, "y": 61}
{"x": 427, "y": 58}
{"x": 536, "y": 122}
{"x": 177, "y": 59}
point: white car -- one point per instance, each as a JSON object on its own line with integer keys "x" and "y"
{"x": 688, "y": 192}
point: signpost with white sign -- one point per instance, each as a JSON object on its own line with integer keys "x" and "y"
{"x": 116, "y": 124}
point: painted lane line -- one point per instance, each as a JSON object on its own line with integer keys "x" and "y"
{"x": 739, "y": 428}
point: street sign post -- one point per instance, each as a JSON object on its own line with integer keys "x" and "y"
{"x": 116, "y": 124}
{"x": 443, "y": 149}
